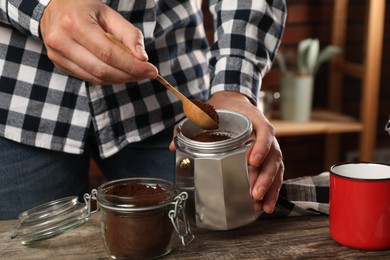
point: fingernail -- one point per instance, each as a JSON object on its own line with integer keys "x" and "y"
{"x": 256, "y": 159}
{"x": 271, "y": 206}
{"x": 141, "y": 50}
{"x": 258, "y": 206}
{"x": 261, "y": 192}
{"x": 151, "y": 74}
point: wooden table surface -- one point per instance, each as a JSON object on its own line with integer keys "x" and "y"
{"x": 286, "y": 238}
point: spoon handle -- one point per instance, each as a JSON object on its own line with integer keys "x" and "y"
{"x": 171, "y": 88}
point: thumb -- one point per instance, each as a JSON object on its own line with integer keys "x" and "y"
{"x": 126, "y": 33}
{"x": 135, "y": 40}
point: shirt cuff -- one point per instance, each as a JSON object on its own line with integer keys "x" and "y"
{"x": 238, "y": 75}
{"x": 25, "y": 15}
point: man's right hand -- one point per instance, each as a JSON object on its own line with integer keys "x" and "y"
{"x": 73, "y": 33}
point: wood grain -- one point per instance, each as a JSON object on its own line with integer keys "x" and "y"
{"x": 282, "y": 238}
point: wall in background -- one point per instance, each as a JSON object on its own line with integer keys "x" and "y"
{"x": 306, "y": 19}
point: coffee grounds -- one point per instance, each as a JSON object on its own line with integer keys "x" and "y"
{"x": 138, "y": 234}
{"x": 207, "y": 108}
{"x": 133, "y": 189}
{"x": 210, "y": 137}
{"x": 138, "y": 194}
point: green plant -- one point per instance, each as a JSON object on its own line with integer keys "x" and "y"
{"x": 309, "y": 57}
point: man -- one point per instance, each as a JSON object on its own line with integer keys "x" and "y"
{"x": 67, "y": 93}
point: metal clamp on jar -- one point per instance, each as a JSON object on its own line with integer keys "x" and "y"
{"x": 214, "y": 172}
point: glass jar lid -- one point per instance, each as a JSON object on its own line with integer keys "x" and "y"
{"x": 50, "y": 219}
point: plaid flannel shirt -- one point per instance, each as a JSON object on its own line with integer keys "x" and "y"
{"x": 42, "y": 107}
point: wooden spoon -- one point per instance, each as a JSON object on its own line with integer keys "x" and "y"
{"x": 202, "y": 114}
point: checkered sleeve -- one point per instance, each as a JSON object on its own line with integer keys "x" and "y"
{"x": 248, "y": 33}
{"x": 23, "y": 15}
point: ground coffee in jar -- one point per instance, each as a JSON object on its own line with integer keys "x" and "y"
{"x": 138, "y": 217}
{"x": 135, "y": 217}
{"x": 138, "y": 234}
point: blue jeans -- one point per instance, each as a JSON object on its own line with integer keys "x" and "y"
{"x": 30, "y": 176}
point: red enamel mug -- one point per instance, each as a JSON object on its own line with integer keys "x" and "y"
{"x": 359, "y": 205}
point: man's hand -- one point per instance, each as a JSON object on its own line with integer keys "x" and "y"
{"x": 73, "y": 33}
{"x": 265, "y": 158}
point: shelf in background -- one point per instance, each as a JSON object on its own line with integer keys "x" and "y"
{"x": 322, "y": 122}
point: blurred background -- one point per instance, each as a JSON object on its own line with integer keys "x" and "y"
{"x": 312, "y": 154}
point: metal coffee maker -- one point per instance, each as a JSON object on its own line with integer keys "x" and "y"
{"x": 215, "y": 173}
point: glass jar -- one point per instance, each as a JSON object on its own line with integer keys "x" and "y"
{"x": 138, "y": 217}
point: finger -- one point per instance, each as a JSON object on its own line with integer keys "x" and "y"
{"x": 265, "y": 133}
{"x": 125, "y": 32}
{"x": 100, "y": 73}
{"x": 116, "y": 59}
{"x": 272, "y": 195}
{"x": 269, "y": 170}
{"x": 172, "y": 146}
{"x": 132, "y": 58}
{"x": 74, "y": 70}
{"x": 134, "y": 40}
{"x": 258, "y": 205}
{"x": 253, "y": 173}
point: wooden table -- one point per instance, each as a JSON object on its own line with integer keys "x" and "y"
{"x": 292, "y": 237}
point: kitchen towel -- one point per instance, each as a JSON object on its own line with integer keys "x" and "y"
{"x": 303, "y": 196}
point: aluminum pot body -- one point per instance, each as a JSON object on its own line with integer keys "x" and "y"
{"x": 359, "y": 214}
{"x": 215, "y": 174}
